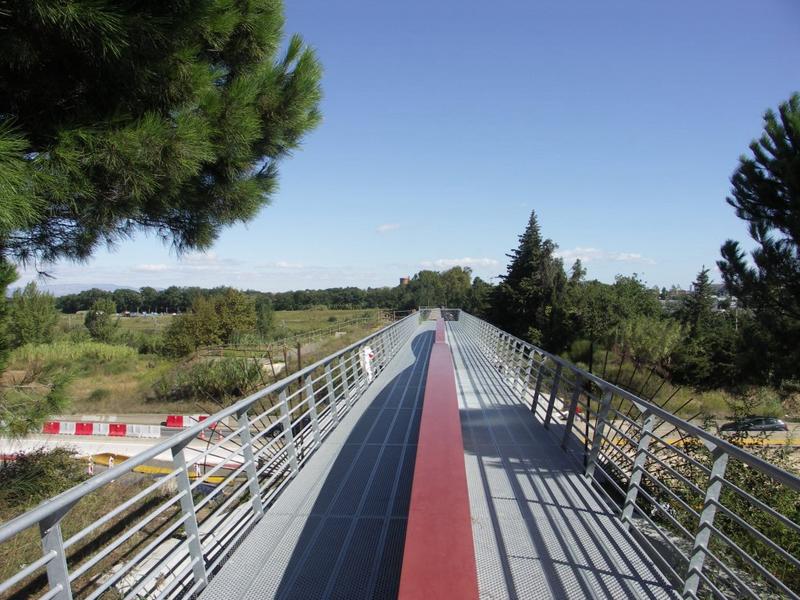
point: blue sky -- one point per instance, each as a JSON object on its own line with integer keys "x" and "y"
{"x": 446, "y": 123}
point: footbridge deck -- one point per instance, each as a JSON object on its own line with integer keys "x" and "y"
{"x": 338, "y": 529}
{"x": 540, "y": 530}
{"x": 439, "y": 457}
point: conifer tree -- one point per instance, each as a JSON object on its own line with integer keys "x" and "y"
{"x": 696, "y": 312}
{"x": 527, "y": 302}
{"x": 766, "y": 194}
{"x": 163, "y": 116}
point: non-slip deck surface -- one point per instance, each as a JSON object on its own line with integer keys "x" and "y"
{"x": 338, "y": 529}
{"x": 539, "y": 529}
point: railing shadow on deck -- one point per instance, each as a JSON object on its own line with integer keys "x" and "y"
{"x": 507, "y": 438}
{"x": 683, "y": 499}
{"x": 351, "y": 545}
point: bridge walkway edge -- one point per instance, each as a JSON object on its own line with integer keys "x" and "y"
{"x": 338, "y": 529}
{"x": 540, "y": 530}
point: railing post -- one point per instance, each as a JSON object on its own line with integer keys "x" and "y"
{"x": 291, "y": 447}
{"x": 498, "y": 349}
{"x": 187, "y": 507}
{"x": 516, "y": 359}
{"x": 509, "y": 354}
{"x": 250, "y": 462}
{"x": 599, "y": 430}
{"x": 527, "y": 380}
{"x": 57, "y": 569}
{"x": 573, "y": 408}
{"x": 312, "y": 407}
{"x": 331, "y": 394}
{"x": 538, "y": 388}
{"x": 638, "y": 469}
{"x": 703, "y": 535}
{"x": 553, "y": 395}
{"x": 345, "y": 380}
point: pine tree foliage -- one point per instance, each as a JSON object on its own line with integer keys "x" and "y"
{"x": 163, "y": 116}
{"x": 766, "y": 194}
{"x": 527, "y": 302}
{"x": 697, "y": 308}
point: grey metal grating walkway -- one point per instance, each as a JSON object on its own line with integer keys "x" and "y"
{"x": 338, "y": 529}
{"x": 540, "y": 530}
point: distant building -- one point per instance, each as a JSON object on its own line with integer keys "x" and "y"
{"x": 405, "y": 280}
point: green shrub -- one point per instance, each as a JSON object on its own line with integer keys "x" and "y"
{"x": 579, "y": 351}
{"x": 32, "y": 316}
{"x": 36, "y": 476}
{"x": 218, "y": 381}
{"x": 101, "y": 320}
{"x": 67, "y": 353}
{"x": 99, "y": 394}
{"x": 212, "y": 321}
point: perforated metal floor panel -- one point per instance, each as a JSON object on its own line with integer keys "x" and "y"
{"x": 338, "y": 529}
{"x": 540, "y": 531}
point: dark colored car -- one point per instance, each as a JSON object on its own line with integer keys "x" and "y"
{"x": 755, "y": 424}
{"x": 277, "y": 429}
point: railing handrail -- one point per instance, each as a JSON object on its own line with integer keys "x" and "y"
{"x": 66, "y": 499}
{"x": 789, "y": 479}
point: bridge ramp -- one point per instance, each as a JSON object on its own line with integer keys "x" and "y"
{"x": 540, "y": 530}
{"x": 337, "y": 531}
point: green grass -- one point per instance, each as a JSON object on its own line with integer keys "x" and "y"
{"x": 301, "y": 321}
{"x": 116, "y": 379}
{"x": 71, "y": 354}
{"x": 152, "y": 324}
{"x": 686, "y": 401}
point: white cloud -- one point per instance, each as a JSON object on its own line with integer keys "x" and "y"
{"x": 595, "y": 255}
{"x": 205, "y": 261}
{"x": 446, "y": 263}
{"x": 151, "y": 268}
{"x": 387, "y": 227}
{"x": 283, "y": 264}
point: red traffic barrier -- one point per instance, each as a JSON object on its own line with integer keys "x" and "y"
{"x": 174, "y": 420}
{"x": 51, "y": 427}
{"x": 117, "y": 429}
{"x": 84, "y": 428}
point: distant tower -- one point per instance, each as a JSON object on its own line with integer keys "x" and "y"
{"x": 404, "y": 280}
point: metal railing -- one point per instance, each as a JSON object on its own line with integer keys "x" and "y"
{"x": 719, "y": 521}
{"x": 121, "y": 534}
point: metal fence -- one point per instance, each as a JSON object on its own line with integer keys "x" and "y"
{"x": 120, "y": 534}
{"x": 720, "y": 521}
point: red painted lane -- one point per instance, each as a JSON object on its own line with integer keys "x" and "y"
{"x": 441, "y": 337}
{"x": 439, "y": 555}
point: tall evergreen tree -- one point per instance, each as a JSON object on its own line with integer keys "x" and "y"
{"x": 766, "y": 194}
{"x": 527, "y": 302}
{"x": 696, "y": 312}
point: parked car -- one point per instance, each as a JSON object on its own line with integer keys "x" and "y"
{"x": 755, "y": 424}
{"x": 277, "y": 429}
